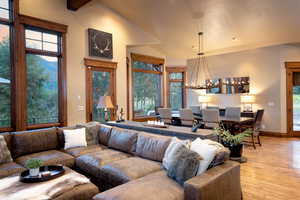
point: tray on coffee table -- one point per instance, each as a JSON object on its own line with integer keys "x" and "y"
{"x": 54, "y": 172}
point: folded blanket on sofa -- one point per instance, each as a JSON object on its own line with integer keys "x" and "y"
{"x": 12, "y": 189}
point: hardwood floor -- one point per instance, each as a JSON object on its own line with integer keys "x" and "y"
{"x": 273, "y": 170}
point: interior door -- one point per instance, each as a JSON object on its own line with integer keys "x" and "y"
{"x": 293, "y": 98}
{"x": 100, "y": 82}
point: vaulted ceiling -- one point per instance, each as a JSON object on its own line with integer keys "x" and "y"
{"x": 228, "y": 25}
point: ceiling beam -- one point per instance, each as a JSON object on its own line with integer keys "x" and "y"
{"x": 76, "y": 4}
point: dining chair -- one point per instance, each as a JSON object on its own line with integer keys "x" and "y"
{"x": 255, "y": 127}
{"x": 187, "y": 117}
{"x": 213, "y": 107}
{"x": 165, "y": 115}
{"x": 233, "y": 112}
{"x": 210, "y": 118}
{"x": 196, "y": 109}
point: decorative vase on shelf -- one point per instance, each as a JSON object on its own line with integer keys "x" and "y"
{"x": 34, "y": 171}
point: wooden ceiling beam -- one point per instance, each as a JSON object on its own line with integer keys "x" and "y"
{"x": 76, "y": 4}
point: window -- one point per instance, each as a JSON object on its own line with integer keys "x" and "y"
{"x": 176, "y": 87}
{"x": 100, "y": 82}
{"x": 146, "y": 85}
{"x": 42, "y": 62}
{"x": 5, "y": 63}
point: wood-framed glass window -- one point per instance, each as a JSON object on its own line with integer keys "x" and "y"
{"x": 6, "y": 28}
{"x": 43, "y": 54}
{"x": 147, "y": 85}
{"x": 100, "y": 82}
{"x": 176, "y": 87}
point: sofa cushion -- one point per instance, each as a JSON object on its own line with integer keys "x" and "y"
{"x": 151, "y": 146}
{"x": 52, "y": 157}
{"x": 151, "y": 187}
{"x": 10, "y": 168}
{"x": 92, "y": 132}
{"x": 61, "y": 136}
{"x": 27, "y": 142}
{"x": 79, "y": 151}
{"x": 5, "y": 156}
{"x": 104, "y": 134}
{"x": 123, "y": 171}
{"x": 123, "y": 140}
{"x": 92, "y": 162}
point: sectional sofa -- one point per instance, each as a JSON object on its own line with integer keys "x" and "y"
{"x": 123, "y": 164}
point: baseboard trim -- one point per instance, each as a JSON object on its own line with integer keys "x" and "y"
{"x": 274, "y": 134}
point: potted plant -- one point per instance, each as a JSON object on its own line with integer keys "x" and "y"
{"x": 233, "y": 142}
{"x": 34, "y": 166}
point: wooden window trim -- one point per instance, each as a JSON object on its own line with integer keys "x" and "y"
{"x": 62, "y": 82}
{"x": 150, "y": 60}
{"x": 98, "y": 65}
{"x": 290, "y": 68}
{"x": 183, "y": 80}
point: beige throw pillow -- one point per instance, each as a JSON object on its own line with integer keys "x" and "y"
{"x": 5, "y": 156}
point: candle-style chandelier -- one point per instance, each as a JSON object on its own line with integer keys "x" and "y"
{"x": 200, "y": 77}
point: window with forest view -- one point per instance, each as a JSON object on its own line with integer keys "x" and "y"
{"x": 5, "y": 77}
{"x": 147, "y": 88}
{"x": 42, "y": 77}
{"x": 176, "y": 90}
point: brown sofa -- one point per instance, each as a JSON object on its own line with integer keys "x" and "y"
{"x": 124, "y": 164}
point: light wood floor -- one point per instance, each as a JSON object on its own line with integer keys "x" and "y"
{"x": 272, "y": 171}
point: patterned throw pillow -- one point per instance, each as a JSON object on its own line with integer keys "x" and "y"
{"x": 184, "y": 165}
{"x": 5, "y": 156}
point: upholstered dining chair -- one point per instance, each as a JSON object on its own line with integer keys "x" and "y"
{"x": 255, "y": 127}
{"x": 196, "y": 110}
{"x": 165, "y": 115}
{"x": 213, "y": 107}
{"x": 210, "y": 118}
{"x": 233, "y": 112}
{"x": 187, "y": 117}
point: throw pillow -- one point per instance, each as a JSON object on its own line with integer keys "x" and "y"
{"x": 184, "y": 165}
{"x": 207, "y": 152}
{"x": 5, "y": 156}
{"x": 222, "y": 153}
{"x": 174, "y": 145}
{"x": 92, "y": 132}
{"x": 75, "y": 138}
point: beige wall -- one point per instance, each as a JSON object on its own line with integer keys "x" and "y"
{"x": 265, "y": 67}
{"x": 93, "y": 15}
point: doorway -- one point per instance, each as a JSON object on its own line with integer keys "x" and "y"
{"x": 293, "y": 98}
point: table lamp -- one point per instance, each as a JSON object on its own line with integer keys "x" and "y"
{"x": 204, "y": 100}
{"x": 247, "y": 101}
{"x": 105, "y": 103}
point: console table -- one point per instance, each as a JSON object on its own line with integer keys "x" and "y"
{"x": 174, "y": 131}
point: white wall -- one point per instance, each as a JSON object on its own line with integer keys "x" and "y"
{"x": 265, "y": 67}
{"x": 93, "y": 15}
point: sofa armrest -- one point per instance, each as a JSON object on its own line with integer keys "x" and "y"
{"x": 219, "y": 183}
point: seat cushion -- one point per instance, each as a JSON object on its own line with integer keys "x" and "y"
{"x": 79, "y": 151}
{"x": 123, "y": 171}
{"x": 52, "y": 157}
{"x": 27, "y": 142}
{"x": 92, "y": 162}
{"x": 11, "y": 168}
{"x": 151, "y": 146}
{"x": 151, "y": 187}
{"x": 123, "y": 140}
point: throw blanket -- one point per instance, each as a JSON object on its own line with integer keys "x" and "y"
{"x": 12, "y": 189}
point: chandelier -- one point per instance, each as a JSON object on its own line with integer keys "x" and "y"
{"x": 200, "y": 77}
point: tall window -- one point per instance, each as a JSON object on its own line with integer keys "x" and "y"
{"x": 5, "y": 63}
{"x": 176, "y": 87}
{"x": 146, "y": 85}
{"x": 42, "y": 61}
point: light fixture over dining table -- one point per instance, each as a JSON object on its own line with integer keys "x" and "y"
{"x": 200, "y": 77}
